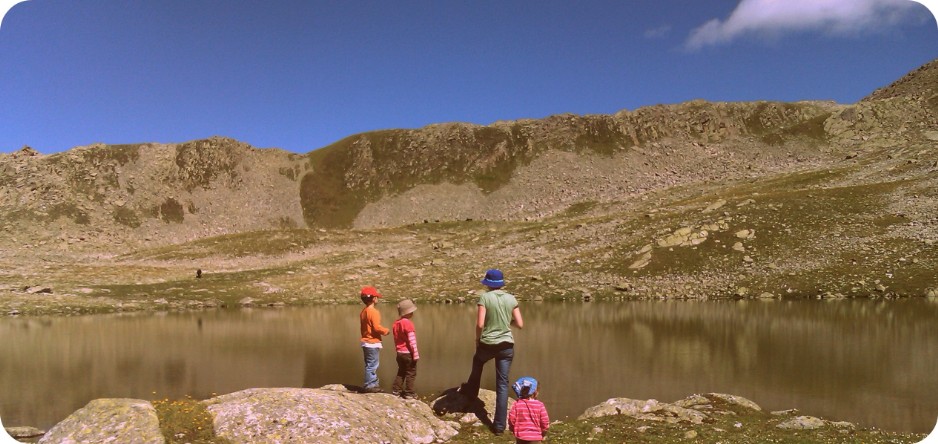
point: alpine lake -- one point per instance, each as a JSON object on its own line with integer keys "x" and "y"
{"x": 868, "y": 362}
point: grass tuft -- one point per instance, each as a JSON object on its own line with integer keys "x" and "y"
{"x": 186, "y": 421}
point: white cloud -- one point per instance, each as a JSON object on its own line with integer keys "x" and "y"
{"x": 773, "y": 17}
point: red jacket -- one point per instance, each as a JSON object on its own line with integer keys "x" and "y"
{"x": 405, "y": 338}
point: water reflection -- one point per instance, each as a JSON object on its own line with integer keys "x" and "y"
{"x": 862, "y": 361}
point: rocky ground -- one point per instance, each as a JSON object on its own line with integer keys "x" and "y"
{"x": 337, "y": 414}
{"x": 691, "y": 201}
{"x": 863, "y": 227}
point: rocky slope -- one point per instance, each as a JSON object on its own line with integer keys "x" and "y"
{"x": 106, "y": 194}
{"x": 697, "y": 200}
{"x": 507, "y": 170}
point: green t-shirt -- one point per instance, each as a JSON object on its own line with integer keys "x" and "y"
{"x": 498, "y": 307}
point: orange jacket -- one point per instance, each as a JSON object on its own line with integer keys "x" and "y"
{"x": 371, "y": 325}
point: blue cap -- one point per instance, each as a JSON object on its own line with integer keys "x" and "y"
{"x": 494, "y": 279}
{"x": 525, "y": 387}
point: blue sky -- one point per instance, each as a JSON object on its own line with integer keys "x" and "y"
{"x": 300, "y": 75}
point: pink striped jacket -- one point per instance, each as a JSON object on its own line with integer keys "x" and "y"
{"x": 405, "y": 338}
{"x": 528, "y": 419}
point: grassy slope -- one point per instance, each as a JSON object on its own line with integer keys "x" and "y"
{"x": 818, "y": 233}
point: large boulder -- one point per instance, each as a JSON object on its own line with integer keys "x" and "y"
{"x": 109, "y": 421}
{"x": 453, "y": 406}
{"x": 328, "y": 414}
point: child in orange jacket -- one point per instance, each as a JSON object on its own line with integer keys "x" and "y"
{"x": 372, "y": 331}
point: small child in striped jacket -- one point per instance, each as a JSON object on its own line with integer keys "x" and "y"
{"x": 527, "y": 418}
{"x": 405, "y": 342}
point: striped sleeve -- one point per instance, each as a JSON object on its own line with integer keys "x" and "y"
{"x": 412, "y": 344}
{"x": 545, "y": 420}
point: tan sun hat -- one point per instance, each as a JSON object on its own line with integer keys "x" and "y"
{"x": 405, "y": 307}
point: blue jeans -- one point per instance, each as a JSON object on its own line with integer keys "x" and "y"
{"x": 371, "y": 366}
{"x": 503, "y": 353}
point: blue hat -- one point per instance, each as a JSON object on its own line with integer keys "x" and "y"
{"x": 525, "y": 387}
{"x": 494, "y": 279}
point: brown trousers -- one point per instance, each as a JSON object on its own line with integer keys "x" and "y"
{"x": 406, "y": 373}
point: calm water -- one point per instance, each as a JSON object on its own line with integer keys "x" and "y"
{"x": 868, "y": 362}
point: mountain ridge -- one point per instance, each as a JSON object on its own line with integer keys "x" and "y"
{"x": 92, "y": 191}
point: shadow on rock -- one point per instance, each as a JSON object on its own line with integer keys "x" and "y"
{"x": 457, "y": 407}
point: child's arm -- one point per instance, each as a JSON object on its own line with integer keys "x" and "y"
{"x": 412, "y": 343}
{"x": 545, "y": 420}
{"x": 376, "y": 324}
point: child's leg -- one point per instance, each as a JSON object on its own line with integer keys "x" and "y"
{"x": 371, "y": 366}
{"x": 410, "y": 377}
{"x": 399, "y": 380}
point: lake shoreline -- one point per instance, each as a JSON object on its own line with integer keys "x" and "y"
{"x": 297, "y": 415}
{"x": 41, "y": 301}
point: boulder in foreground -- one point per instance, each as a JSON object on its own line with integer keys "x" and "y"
{"x": 109, "y": 421}
{"x": 324, "y": 415}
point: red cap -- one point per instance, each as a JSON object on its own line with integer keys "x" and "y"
{"x": 370, "y": 291}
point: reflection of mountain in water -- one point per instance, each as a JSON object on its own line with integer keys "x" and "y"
{"x": 860, "y": 361}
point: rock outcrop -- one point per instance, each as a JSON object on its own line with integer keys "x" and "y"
{"x": 24, "y": 432}
{"x": 328, "y": 414}
{"x": 694, "y": 409}
{"x": 108, "y": 421}
{"x": 650, "y": 410}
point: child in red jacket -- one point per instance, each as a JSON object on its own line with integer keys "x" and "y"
{"x": 405, "y": 341}
{"x": 527, "y": 418}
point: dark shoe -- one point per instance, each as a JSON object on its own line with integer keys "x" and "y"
{"x": 374, "y": 390}
{"x": 396, "y": 393}
{"x": 410, "y": 396}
